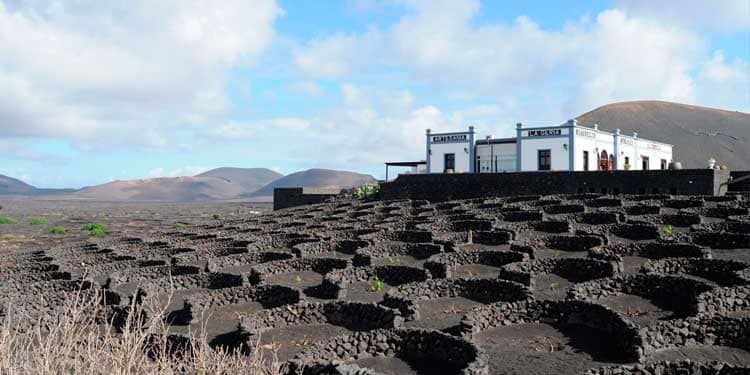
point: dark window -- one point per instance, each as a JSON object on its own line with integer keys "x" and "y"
{"x": 627, "y": 160}
{"x": 450, "y": 162}
{"x": 663, "y": 164}
{"x": 644, "y": 163}
{"x": 545, "y": 160}
{"x": 585, "y": 160}
{"x": 478, "y": 166}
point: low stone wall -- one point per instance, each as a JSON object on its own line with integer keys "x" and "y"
{"x": 723, "y": 240}
{"x": 269, "y": 296}
{"x": 712, "y": 330}
{"x": 353, "y": 316}
{"x": 406, "y": 297}
{"x": 493, "y": 237}
{"x": 678, "y": 294}
{"x": 625, "y": 341}
{"x": 443, "y": 187}
{"x": 573, "y": 269}
{"x": 417, "y": 347}
{"x": 724, "y": 300}
{"x": 336, "y": 282}
{"x": 244, "y": 259}
{"x": 440, "y": 265}
{"x": 574, "y": 243}
{"x": 673, "y": 368}
{"x": 722, "y": 272}
{"x": 637, "y": 232}
{"x": 207, "y": 280}
{"x": 293, "y": 197}
{"x": 365, "y": 255}
{"x": 259, "y": 272}
{"x": 652, "y": 250}
{"x": 342, "y": 246}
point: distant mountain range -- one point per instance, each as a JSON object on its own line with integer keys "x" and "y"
{"x": 698, "y": 133}
{"x": 255, "y": 184}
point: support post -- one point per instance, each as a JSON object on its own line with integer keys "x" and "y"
{"x": 519, "y": 127}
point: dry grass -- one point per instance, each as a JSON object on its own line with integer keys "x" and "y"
{"x": 80, "y": 341}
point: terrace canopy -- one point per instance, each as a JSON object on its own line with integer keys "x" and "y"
{"x": 411, "y": 164}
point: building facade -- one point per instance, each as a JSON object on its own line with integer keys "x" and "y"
{"x": 450, "y": 152}
{"x": 568, "y": 147}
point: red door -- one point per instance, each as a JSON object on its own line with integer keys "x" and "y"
{"x": 604, "y": 161}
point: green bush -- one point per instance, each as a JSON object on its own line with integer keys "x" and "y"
{"x": 216, "y": 216}
{"x": 8, "y": 220}
{"x": 91, "y": 226}
{"x": 39, "y": 221}
{"x": 180, "y": 225}
{"x": 57, "y": 230}
{"x": 367, "y": 192}
{"x": 98, "y": 232}
{"x": 96, "y": 229}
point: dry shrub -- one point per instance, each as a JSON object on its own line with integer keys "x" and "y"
{"x": 85, "y": 338}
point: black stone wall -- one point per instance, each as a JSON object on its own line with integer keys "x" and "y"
{"x": 293, "y": 197}
{"x": 443, "y": 187}
{"x": 742, "y": 185}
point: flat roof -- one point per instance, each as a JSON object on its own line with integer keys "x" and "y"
{"x": 406, "y": 163}
{"x": 495, "y": 141}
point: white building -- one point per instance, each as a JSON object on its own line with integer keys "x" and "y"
{"x": 450, "y": 152}
{"x": 568, "y": 147}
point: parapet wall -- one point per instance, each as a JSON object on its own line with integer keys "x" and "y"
{"x": 293, "y": 197}
{"x": 443, "y": 187}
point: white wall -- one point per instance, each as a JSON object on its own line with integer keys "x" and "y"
{"x": 440, "y": 149}
{"x": 530, "y": 148}
{"x": 593, "y": 141}
{"x": 503, "y": 153}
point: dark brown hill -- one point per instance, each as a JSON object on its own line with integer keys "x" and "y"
{"x": 10, "y": 185}
{"x": 318, "y": 179}
{"x": 175, "y": 189}
{"x": 697, "y": 133}
{"x": 251, "y": 179}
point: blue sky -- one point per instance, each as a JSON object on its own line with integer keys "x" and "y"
{"x": 92, "y": 91}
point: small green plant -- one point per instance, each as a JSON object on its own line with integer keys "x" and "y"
{"x": 216, "y": 216}
{"x": 180, "y": 225}
{"x": 378, "y": 286}
{"x": 298, "y": 280}
{"x": 91, "y": 226}
{"x": 96, "y": 229}
{"x": 367, "y": 192}
{"x": 98, "y": 232}
{"x": 8, "y": 220}
{"x": 668, "y": 230}
{"x": 39, "y": 221}
{"x": 57, "y": 230}
{"x": 394, "y": 261}
{"x": 335, "y": 254}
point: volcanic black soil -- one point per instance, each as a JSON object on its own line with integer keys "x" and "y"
{"x": 483, "y": 286}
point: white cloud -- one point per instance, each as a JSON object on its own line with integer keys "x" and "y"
{"x": 16, "y": 149}
{"x": 338, "y": 55}
{"x": 190, "y": 170}
{"x": 236, "y": 131}
{"x": 625, "y": 58}
{"x": 95, "y": 71}
{"x": 725, "y": 84}
{"x": 614, "y": 56}
{"x": 309, "y": 88}
{"x": 721, "y": 15}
